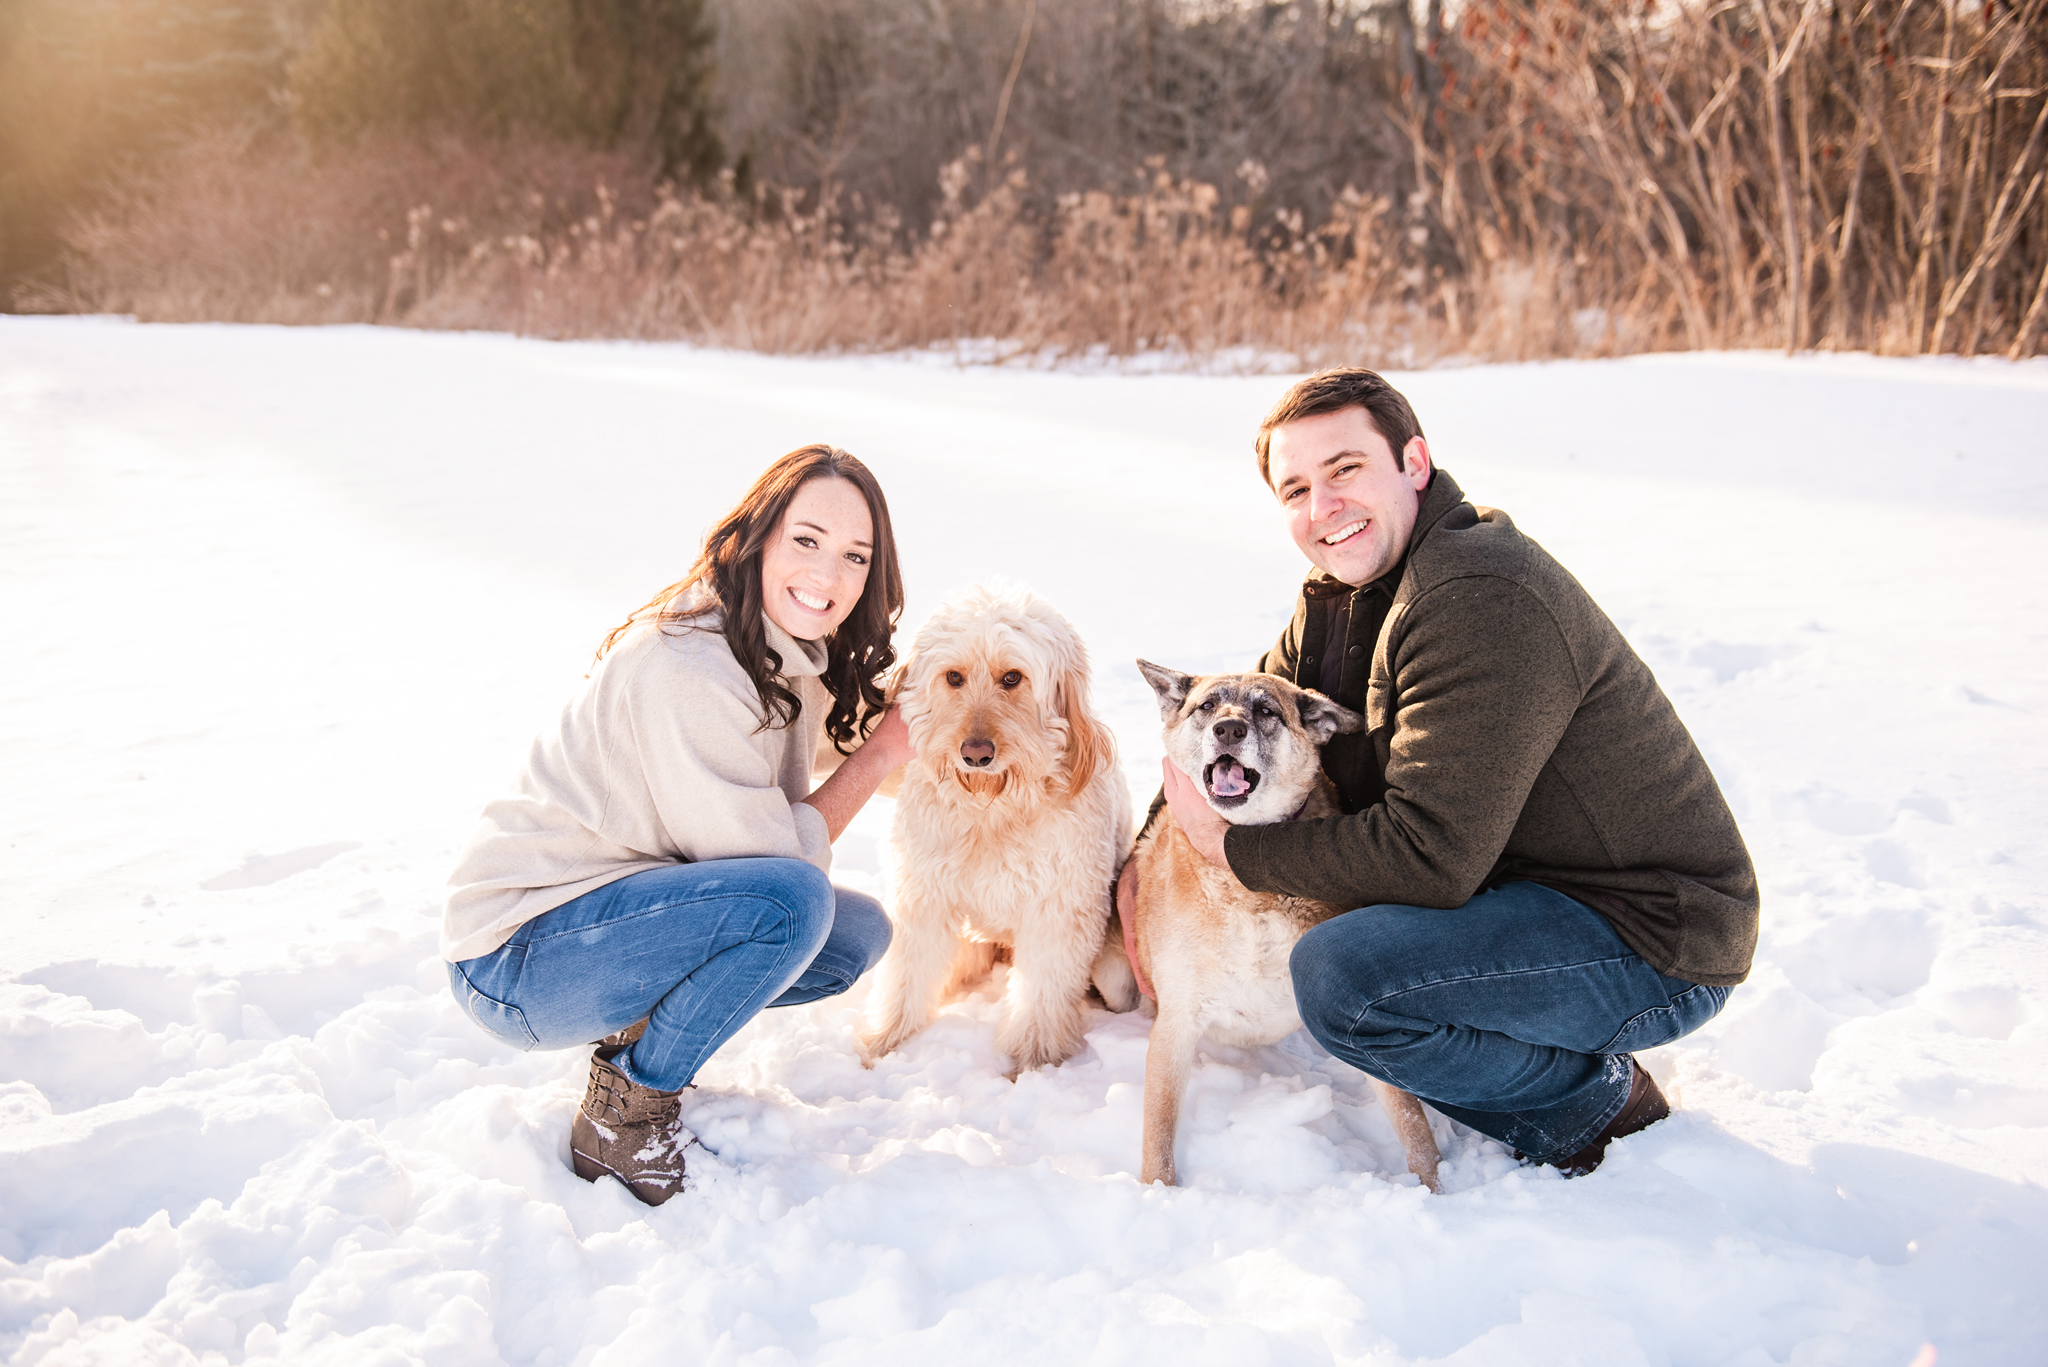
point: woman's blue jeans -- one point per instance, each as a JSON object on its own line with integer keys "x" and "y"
{"x": 1513, "y": 1014}
{"x": 696, "y": 949}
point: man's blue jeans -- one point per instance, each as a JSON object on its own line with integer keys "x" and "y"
{"x": 696, "y": 949}
{"x": 1513, "y": 1014}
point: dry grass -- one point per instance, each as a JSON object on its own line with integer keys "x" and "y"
{"x": 246, "y": 227}
{"x": 1797, "y": 173}
{"x": 540, "y": 243}
{"x": 1594, "y": 178}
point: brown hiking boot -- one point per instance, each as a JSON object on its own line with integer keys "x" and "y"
{"x": 628, "y": 1131}
{"x": 615, "y": 1042}
{"x": 1645, "y": 1107}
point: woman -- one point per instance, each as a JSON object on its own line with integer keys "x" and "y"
{"x": 663, "y": 856}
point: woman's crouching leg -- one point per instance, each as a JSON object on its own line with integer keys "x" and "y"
{"x": 771, "y": 921}
{"x": 860, "y": 935}
{"x": 697, "y": 950}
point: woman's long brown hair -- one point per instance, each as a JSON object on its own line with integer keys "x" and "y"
{"x": 858, "y": 653}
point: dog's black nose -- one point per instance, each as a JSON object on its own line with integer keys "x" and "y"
{"x": 1231, "y": 731}
{"x": 979, "y": 753}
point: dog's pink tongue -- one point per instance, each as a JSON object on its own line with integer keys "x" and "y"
{"x": 1227, "y": 779}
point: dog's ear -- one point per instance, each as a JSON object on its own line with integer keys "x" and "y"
{"x": 1091, "y": 748}
{"x": 1323, "y": 719}
{"x": 909, "y": 672}
{"x": 1171, "y": 686}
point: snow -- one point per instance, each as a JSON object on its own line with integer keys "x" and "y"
{"x": 282, "y": 608}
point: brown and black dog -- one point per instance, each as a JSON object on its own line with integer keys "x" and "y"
{"x": 1213, "y": 951}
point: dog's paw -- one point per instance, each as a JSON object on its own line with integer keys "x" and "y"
{"x": 1019, "y": 1067}
{"x": 1113, "y": 981}
{"x": 1026, "y": 1057}
{"x": 876, "y": 1045}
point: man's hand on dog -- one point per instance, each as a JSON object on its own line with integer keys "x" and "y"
{"x": 1197, "y": 819}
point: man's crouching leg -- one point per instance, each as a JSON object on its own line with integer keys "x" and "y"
{"x": 1514, "y": 1014}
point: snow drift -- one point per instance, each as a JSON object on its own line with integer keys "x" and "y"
{"x": 283, "y": 607}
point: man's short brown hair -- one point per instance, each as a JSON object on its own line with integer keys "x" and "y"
{"x": 1331, "y": 391}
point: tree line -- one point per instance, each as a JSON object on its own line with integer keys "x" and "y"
{"x": 1402, "y": 179}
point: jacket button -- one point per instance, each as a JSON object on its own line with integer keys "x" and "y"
{"x": 1355, "y": 653}
{"x": 1308, "y": 662}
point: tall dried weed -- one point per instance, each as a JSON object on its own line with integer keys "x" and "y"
{"x": 1592, "y": 177}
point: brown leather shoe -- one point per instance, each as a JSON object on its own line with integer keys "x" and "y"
{"x": 619, "y": 1040}
{"x": 628, "y": 1131}
{"x": 1645, "y": 1107}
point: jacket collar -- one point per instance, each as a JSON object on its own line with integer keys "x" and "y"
{"x": 1442, "y": 495}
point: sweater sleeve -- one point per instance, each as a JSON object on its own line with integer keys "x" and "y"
{"x": 1485, "y": 687}
{"x": 712, "y": 785}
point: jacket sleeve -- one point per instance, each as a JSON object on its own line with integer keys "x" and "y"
{"x": 710, "y": 783}
{"x": 1484, "y": 687}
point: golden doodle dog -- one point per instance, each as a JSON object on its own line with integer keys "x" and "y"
{"x": 1213, "y": 951}
{"x": 1009, "y": 826}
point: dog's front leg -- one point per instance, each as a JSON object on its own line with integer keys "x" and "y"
{"x": 1417, "y": 1139}
{"x": 1168, "y": 1058}
{"x": 1050, "y": 959}
{"x": 907, "y": 985}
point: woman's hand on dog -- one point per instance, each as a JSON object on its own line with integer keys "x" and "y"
{"x": 892, "y": 734}
{"x": 1195, "y": 817}
{"x": 839, "y": 798}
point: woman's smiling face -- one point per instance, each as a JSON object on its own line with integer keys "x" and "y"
{"x": 816, "y": 564}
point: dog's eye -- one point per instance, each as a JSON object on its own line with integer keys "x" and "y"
{"x": 955, "y": 678}
{"x": 1012, "y": 679}
{"x": 1265, "y": 711}
{"x": 1208, "y": 705}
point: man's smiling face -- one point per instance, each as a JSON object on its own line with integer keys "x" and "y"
{"x": 1349, "y": 503}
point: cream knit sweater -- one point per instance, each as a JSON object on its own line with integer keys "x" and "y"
{"x": 657, "y": 759}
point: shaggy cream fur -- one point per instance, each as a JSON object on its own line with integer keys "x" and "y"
{"x": 1009, "y": 825}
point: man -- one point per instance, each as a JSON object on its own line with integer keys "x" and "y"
{"x": 1545, "y": 873}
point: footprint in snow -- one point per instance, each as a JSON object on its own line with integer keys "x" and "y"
{"x": 1840, "y": 814}
{"x": 261, "y": 870}
{"x": 1726, "y": 660}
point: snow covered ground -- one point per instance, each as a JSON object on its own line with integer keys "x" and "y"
{"x": 280, "y": 610}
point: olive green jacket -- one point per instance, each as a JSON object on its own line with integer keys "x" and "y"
{"x": 1512, "y": 735}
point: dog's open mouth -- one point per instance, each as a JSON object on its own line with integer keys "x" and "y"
{"x": 1229, "y": 782}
